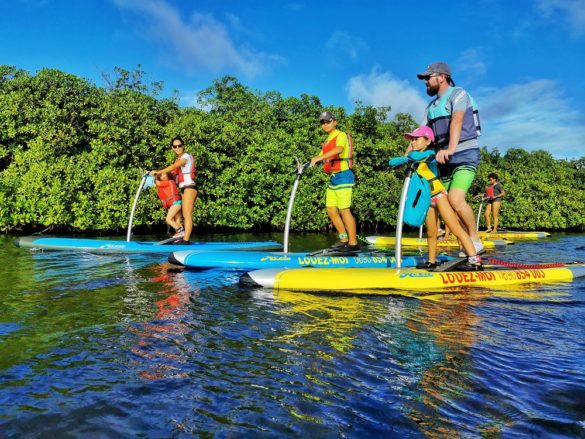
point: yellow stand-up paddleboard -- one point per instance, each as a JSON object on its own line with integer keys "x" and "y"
{"x": 513, "y": 235}
{"x": 384, "y": 280}
{"x": 420, "y": 242}
{"x": 387, "y": 280}
{"x": 507, "y": 234}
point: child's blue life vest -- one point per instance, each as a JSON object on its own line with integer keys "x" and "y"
{"x": 418, "y": 201}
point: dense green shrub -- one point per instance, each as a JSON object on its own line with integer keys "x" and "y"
{"x": 72, "y": 155}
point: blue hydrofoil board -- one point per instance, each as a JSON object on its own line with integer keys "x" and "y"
{"x": 107, "y": 246}
{"x": 257, "y": 259}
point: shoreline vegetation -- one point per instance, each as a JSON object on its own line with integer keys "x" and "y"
{"x": 72, "y": 155}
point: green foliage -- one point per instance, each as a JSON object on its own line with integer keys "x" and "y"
{"x": 541, "y": 192}
{"x": 72, "y": 155}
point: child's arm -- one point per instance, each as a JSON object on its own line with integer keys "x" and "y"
{"x": 414, "y": 156}
{"x": 419, "y": 156}
{"x": 397, "y": 161}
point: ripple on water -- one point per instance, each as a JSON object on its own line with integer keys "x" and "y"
{"x": 118, "y": 346}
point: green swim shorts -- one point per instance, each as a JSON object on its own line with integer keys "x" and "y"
{"x": 461, "y": 178}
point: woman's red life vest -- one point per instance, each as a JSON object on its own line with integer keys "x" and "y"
{"x": 489, "y": 191}
{"x": 168, "y": 193}
{"x": 333, "y": 164}
{"x": 179, "y": 173}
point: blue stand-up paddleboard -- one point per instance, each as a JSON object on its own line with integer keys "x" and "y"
{"x": 107, "y": 246}
{"x": 251, "y": 260}
{"x": 193, "y": 258}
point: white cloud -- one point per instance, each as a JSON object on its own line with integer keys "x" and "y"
{"x": 572, "y": 11}
{"x": 531, "y": 116}
{"x": 234, "y": 21}
{"x": 470, "y": 63}
{"x": 382, "y": 89}
{"x": 342, "y": 42}
{"x": 201, "y": 42}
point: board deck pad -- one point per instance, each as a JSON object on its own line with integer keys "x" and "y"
{"x": 333, "y": 252}
{"x": 450, "y": 265}
{"x": 170, "y": 240}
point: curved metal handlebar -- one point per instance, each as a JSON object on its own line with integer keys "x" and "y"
{"x": 301, "y": 166}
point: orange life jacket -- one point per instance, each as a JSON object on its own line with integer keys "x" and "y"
{"x": 333, "y": 164}
{"x": 168, "y": 193}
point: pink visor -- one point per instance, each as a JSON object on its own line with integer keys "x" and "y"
{"x": 422, "y": 131}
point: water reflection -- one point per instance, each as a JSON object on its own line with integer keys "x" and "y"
{"x": 452, "y": 328}
{"x": 123, "y": 346}
{"x": 426, "y": 352}
{"x": 159, "y": 340}
{"x": 451, "y": 386}
{"x": 56, "y": 298}
{"x": 335, "y": 320}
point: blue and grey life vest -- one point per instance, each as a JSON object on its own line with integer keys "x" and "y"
{"x": 439, "y": 119}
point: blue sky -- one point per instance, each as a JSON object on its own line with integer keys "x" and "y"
{"x": 522, "y": 60}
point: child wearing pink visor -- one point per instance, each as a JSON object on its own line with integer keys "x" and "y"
{"x": 421, "y": 139}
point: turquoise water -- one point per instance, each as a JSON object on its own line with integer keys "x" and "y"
{"x": 115, "y": 346}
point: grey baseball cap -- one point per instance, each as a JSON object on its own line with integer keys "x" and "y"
{"x": 437, "y": 67}
{"x": 326, "y": 116}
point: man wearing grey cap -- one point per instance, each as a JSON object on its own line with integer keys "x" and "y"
{"x": 454, "y": 118}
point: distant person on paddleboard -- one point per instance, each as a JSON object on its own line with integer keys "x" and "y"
{"x": 494, "y": 193}
{"x": 337, "y": 158}
{"x": 421, "y": 139}
{"x": 168, "y": 193}
{"x": 454, "y": 119}
{"x": 185, "y": 174}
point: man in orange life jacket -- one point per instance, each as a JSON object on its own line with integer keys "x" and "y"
{"x": 337, "y": 158}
